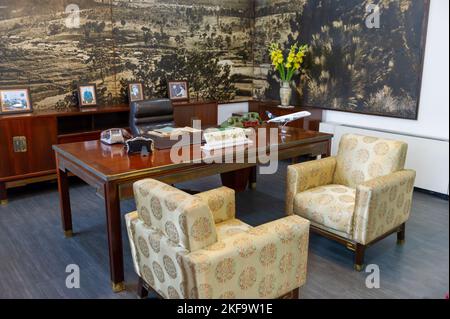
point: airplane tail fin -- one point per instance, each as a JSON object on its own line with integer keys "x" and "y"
{"x": 270, "y": 115}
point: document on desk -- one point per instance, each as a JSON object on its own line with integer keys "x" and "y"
{"x": 224, "y": 139}
{"x": 169, "y": 131}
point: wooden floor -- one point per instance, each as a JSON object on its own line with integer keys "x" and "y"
{"x": 34, "y": 254}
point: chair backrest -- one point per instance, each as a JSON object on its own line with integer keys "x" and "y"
{"x": 148, "y": 113}
{"x": 183, "y": 218}
{"x": 362, "y": 158}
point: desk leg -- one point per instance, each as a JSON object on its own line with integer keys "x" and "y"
{"x": 112, "y": 203}
{"x": 237, "y": 180}
{"x": 3, "y": 194}
{"x": 64, "y": 202}
{"x": 328, "y": 153}
{"x": 253, "y": 177}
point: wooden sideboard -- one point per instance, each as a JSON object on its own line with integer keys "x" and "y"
{"x": 26, "y": 140}
{"x": 185, "y": 112}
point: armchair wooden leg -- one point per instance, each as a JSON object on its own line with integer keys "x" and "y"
{"x": 142, "y": 292}
{"x": 3, "y": 194}
{"x": 401, "y": 234}
{"x": 296, "y": 293}
{"x": 359, "y": 257}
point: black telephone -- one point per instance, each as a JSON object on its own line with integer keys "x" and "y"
{"x": 140, "y": 144}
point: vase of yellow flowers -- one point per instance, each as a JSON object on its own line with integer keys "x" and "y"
{"x": 287, "y": 68}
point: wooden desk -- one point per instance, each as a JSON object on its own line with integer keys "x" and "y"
{"x": 112, "y": 173}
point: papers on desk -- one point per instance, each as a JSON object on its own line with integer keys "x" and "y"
{"x": 224, "y": 139}
{"x": 169, "y": 131}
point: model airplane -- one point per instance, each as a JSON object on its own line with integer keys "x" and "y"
{"x": 287, "y": 118}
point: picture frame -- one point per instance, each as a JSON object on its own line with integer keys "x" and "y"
{"x": 135, "y": 92}
{"x": 15, "y": 100}
{"x": 178, "y": 90}
{"x": 87, "y": 95}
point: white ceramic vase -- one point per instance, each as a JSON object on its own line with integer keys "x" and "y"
{"x": 285, "y": 94}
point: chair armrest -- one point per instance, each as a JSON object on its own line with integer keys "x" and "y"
{"x": 221, "y": 202}
{"x": 129, "y": 219}
{"x": 267, "y": 262}
{"x": 382, "y": 204}
{"x": 304, "y": 176}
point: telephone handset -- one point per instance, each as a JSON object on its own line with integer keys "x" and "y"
{"x": 115, "y": 136}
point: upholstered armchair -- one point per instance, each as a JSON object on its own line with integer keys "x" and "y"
{"x": 358, "y": 197}
{"x": 193, "y": 247}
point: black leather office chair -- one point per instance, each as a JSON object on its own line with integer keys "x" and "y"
{"x": 148, "y": 115}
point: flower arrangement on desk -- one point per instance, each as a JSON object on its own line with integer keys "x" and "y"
{"x": 287, "y": 67}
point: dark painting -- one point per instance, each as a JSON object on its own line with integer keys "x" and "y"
{"x": 350, "y": 67}
{"x": 49, "y": 47}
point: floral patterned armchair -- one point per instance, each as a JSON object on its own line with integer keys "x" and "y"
{"x": 358, "y": 197}
{"x": 192, "y": 247}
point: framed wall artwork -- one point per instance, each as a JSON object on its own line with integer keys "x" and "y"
{"x": 15, "y": 100}
{"x": 178, "y": 90}
{"x": 353, "y": 64}
{"x": 135, "y": 92}
{"x": 87, "y": 95}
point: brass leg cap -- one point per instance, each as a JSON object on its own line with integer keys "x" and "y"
{"x": 400, "y": 242}
{"x": 359, "y": 267}
{"x": 4, "y": 202}
{"x": 253, "y": 185}
{"x": 119, "y": 287}
{"x": 68, "y": 233}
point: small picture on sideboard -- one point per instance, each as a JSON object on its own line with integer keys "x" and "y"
{"x": 135, "y": 92}
{"x": 87, "y": 95}
{"x": 15, "y": 100}
{"x": 178, "y": 90}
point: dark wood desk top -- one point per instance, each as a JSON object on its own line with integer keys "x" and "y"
{"x": 112, "y": 162}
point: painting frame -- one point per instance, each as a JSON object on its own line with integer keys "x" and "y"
{"x": 82, "y": 104}
{"x": 141, "y": 92}
{"x": 26, "y": 91}
{"x": 172, "y": 94}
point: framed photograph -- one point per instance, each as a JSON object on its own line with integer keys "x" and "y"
{"x": 178, "y": 90}
{"x": 135, "y": 92}
{"x": 15, "y": 100}
{"x": 87, "y": 95}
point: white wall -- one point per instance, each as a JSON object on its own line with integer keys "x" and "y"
{"x": 433, "y": 118}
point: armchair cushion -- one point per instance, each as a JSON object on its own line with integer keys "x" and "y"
{"x": 221, "y": 202}
{"x": 332, "y": 206}
{"x": 383, "y": 204}
{"x": 304, "y": 176}
{"x": 362, "y": 158}
{"x": 267, "y": 261}
{"x": 184, "y": 219}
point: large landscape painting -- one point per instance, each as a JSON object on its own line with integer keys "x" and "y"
{"x": 350, "y": 67}
{"x": 219, "y": 46}
{"x": 48, "y": 47}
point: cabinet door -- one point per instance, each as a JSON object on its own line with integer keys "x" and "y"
{"x": 26, "y": 145}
